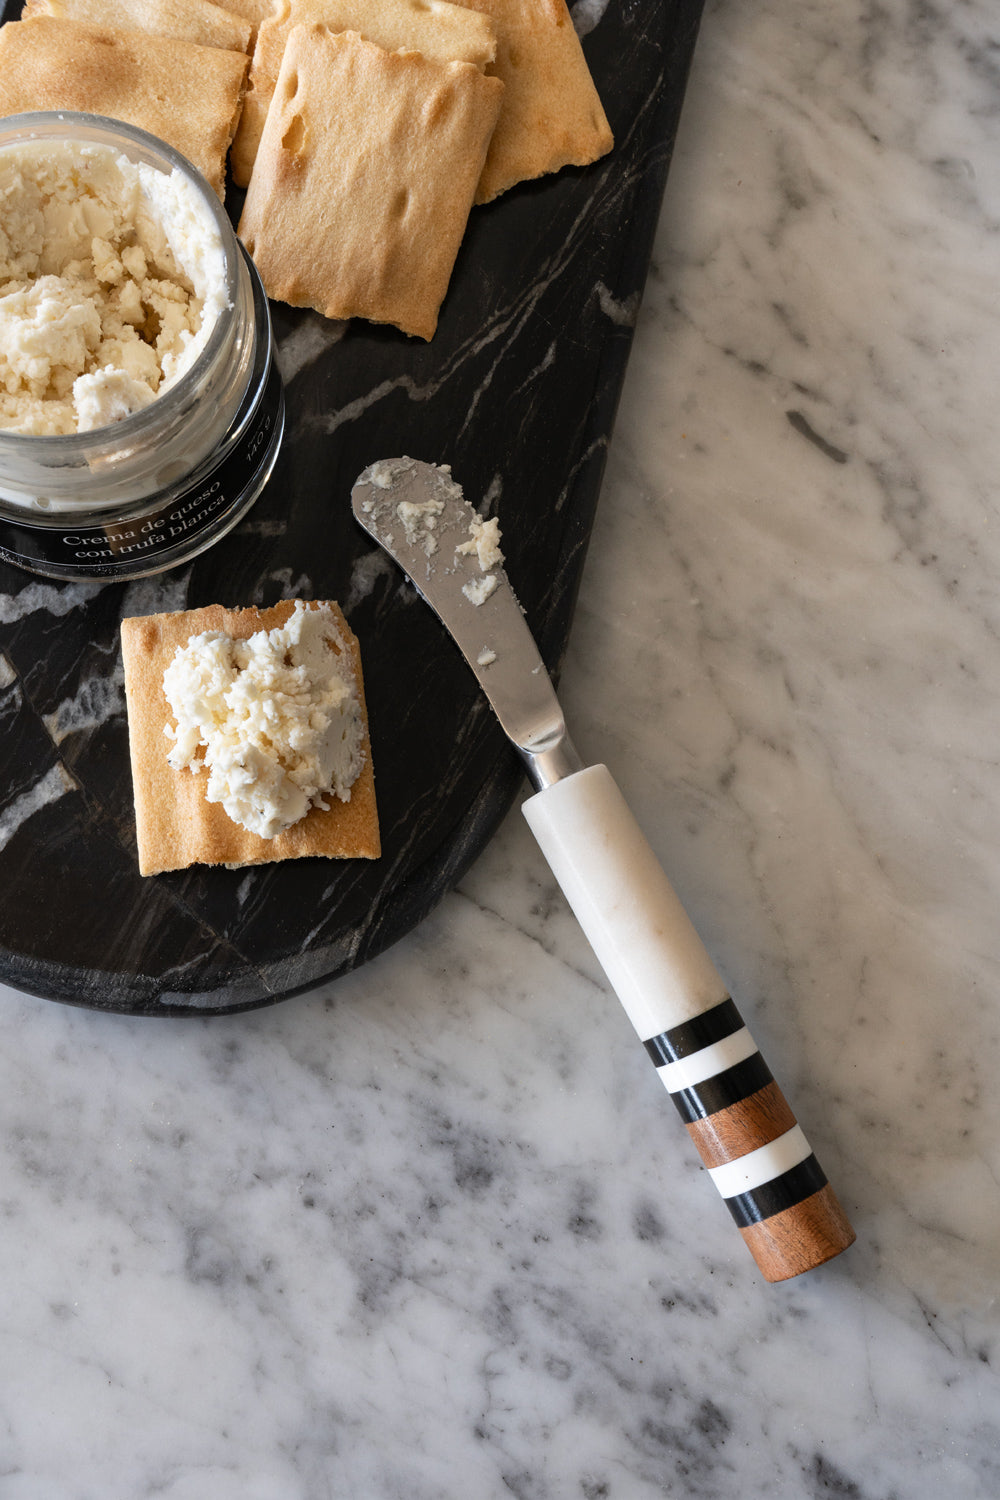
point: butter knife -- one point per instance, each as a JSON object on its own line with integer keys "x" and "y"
{"x": 744, "y": 1130}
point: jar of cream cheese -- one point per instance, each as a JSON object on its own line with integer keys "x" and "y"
{"x": 141, "y": 409}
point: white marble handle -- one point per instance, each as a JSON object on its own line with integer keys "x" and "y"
{"x": 734, "y": 1111}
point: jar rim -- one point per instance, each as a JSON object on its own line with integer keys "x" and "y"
{"x": 101, "y": 130}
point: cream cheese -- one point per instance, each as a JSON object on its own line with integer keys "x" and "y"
{"x": 275, "y": 720}
{"x": 484, "y": 542}
{"x": 385, "y": 471}
{"x": 478, "y": 590}
{"x": 419, "y": 518}
{"x": 112, "y": 276}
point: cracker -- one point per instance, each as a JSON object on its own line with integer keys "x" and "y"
{"x": 444, "y": 32}
{"x": 187, "y": 95}
{"x": 254, "y": 11}
{"x": 198, "y": 21}
{"x": 175, "y": 825}
{"x": 552, "y": 116}
{"x": 365, "y": 177}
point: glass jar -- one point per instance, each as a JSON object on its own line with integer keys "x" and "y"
{"x": 158, "y": 486}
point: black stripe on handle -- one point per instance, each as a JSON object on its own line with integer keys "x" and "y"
{"x": 780, "y": 1193}
{"x": 694, "y": 1035}
{"x": 726, "y": 1088}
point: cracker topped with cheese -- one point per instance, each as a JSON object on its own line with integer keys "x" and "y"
{"x": 248, "y": 737}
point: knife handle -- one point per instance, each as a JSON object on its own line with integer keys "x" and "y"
{"x": 745, "y": 1132}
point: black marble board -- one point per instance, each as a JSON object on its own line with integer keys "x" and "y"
{"x": 517, "y": 391}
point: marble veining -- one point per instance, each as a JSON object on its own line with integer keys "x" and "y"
{"x": 54, "y": 599}
{"x": 49, "y": 787}
{"x": 432, "y": 1230}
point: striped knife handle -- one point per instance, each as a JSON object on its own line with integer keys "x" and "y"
{"x": 738, "y": 1118}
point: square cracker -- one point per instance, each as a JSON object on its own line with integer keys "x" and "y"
{"x": 444, "y": 32}
{"x": 365, "y": 176}
{"x": 187, "y": 95}
{"x": 175, "y": 825}
{"x": 198, "y": 21}
{"x": 552, "y": 116}
{"x": 254, "y": 11}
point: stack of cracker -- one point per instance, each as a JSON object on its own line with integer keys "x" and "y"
{"x": 363, "y": 130}
{"x": 371, "y": 127}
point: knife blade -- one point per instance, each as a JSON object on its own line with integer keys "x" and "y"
{"x": 740, "y": 1122}
{"x": 420, "y": 516}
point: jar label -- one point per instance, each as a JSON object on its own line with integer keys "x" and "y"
{"x": 145, "y": 540}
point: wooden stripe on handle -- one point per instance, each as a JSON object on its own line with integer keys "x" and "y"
{"x": 731, "y": 1131}
{"x": 748, "y": 1138}
{"x": 812, "y": 1232}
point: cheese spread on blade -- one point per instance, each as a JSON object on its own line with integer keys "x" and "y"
{"x": 275, "y": 720}
{"x": 484, "y": 542}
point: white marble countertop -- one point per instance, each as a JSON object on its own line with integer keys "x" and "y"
{"x": 435, "y": 1230}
